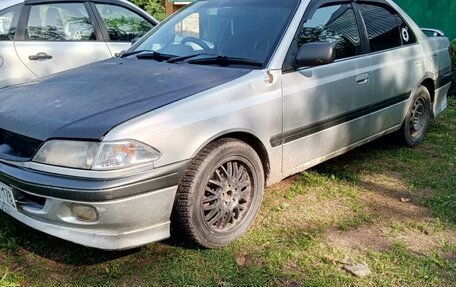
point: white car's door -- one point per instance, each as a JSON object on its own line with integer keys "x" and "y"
{"x": 58, "y": 37}
{"x": 12, "y": 71}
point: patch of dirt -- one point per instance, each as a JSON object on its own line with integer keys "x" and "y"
{"x": 382, "y": 199}
{"x": 372, "y": 237}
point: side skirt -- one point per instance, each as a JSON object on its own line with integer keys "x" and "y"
{"x": 319, "y": 160}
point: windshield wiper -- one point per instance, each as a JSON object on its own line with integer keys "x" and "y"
{"x": 154, "y": 56}
{"x": 226, "y": 61}
{"x": 126, "y": 54}
{"x": 183, "y": 58}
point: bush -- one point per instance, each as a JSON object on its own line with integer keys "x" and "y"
{"x": 453, "y": 61}
{"x": 153, "y": 7}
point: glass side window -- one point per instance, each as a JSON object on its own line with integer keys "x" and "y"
{"x": 408, "y": 37}
{"x": 8, "y": 20}
{"x": 60, "y": 22}
{"x": 122, "y": 24}
{"x": 382, "y": 28}
{"x": 334, "y": 24}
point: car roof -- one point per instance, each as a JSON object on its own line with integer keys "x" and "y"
{"x": 8, "y": 3}
{"x": 51, "y": 1}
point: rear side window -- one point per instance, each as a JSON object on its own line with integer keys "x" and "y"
{"x": 8, "y": 21}
{"x": 408, "y": 37}
{"x": 335, "y": 24}
{"x": 382, "y": 27}
{"x": 60, "y": 22}
{"x": 122, "y": 24}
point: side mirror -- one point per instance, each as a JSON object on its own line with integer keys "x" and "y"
{"x": 316, "y": 54}
{"x": 119, "y": 54}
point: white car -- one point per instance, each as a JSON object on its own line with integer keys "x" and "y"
{"x": 42, "y": 37}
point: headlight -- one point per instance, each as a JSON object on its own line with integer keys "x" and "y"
{"x": 93, "y": 155}
{"x": 75, "y": 154}
{"x": 114, "y": 155}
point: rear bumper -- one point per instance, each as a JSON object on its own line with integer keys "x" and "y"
{"x": 132, "y": 211}
{"x": 441, "y": 99}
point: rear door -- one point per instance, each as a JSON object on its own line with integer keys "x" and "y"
{"x": 121, "y": 24}
{"x": 397, "y": 64}
{"x": 57, "y": 36}
{"x": 326, "y": 108}
{"x": 12, "y": 71}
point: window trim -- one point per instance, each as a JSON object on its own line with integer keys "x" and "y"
{"x": 102, "y": 25}
{"x": 310, "y": 11}
{"x": 25, "y": 15}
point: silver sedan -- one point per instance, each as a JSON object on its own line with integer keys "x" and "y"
{"x": 222, "y": 99}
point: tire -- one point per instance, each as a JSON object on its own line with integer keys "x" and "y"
{"x": 417, "y": 120}
{"x": 220, "y": 194}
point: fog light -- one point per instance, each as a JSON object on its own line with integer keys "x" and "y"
{"x": 85, "y": 213}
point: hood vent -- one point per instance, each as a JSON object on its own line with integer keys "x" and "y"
{"x": 17, "y": 147}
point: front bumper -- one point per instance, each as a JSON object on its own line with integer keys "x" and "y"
{"x": 132, "y": 211}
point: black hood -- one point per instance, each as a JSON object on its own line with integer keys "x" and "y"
{"x": 87, "y": 102}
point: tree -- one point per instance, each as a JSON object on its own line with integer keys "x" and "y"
{"x": 153, "y": 7}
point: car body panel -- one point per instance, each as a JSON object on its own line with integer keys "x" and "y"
{"x": 395, "y": 74}
{"x": 65, "y": 55}
{"x": 317, "y": 99}
{"x": 12, "y": 70}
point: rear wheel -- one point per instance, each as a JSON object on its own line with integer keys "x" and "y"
{"x": 220, "y": 193}
{"x": 418, "y": 117}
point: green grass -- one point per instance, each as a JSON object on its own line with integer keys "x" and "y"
{"x": 290, "y": 243}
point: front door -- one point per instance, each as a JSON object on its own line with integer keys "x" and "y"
{"x": 58, "y": 37}
{"x": 326, "y": 108}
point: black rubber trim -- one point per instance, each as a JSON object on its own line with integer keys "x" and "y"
{"x": 445, "y": 76}
{"x": 307, "y": 130}
{"x": 86, "y": 189}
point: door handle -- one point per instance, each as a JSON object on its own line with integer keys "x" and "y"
{"x": 40, "y": 56}
{"x": 362, "y": 79}
{"x": 418, "y": 62}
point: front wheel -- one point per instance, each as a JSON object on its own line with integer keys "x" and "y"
{"x": 417, "y": 120}
{"x": 220, "y": 193}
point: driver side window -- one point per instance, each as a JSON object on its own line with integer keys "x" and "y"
{"x": 334, "y": 24}
{"x": 60, "y": 22}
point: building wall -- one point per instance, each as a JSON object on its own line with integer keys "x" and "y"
{"x": 439, "y": 14}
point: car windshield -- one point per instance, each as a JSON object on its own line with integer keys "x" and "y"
{"x": 234, "y": 31}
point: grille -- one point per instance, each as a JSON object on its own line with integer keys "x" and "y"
{"x": 17, "y": 147}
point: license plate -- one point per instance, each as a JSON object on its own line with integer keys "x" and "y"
{"x": 6, "y": 195}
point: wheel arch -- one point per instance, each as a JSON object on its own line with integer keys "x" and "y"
{"x": 430, "y": 85}
{"x": 250, "y": 139}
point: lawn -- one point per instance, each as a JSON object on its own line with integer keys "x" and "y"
{"x": 384, "y": 205}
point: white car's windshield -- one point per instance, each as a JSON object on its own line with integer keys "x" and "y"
{"x": 223, "y": 32}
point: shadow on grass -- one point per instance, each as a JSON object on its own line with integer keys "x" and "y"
{"x": 15, "y": 235}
